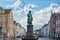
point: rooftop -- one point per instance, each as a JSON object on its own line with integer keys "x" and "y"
{"x": 4, "y": 10}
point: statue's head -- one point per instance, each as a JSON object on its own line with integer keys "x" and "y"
{"x": 29, "y": 11}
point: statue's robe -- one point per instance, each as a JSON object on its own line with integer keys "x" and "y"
{"x": 30, "y": 18}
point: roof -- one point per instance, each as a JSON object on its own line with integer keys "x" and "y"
{"x": 5, "y": 10}
{"x": 45, "y": 25}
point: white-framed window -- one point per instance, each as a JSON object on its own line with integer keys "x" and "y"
{"x": 58, "y": 16}
{"x": 58, "y": 22}
{"x": 0, "y": 31}
{"x": 0, "y": 18}
{"x": 58, "y": 29}
{"x": 0, "y": 24}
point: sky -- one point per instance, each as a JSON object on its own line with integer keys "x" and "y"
{"x": 41, "y": 10}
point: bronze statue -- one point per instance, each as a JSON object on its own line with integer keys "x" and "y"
{"x": 30, "y": 18}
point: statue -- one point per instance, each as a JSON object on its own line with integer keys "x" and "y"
{"x": 30, "y": 18}
{"x": 29, "y": 34}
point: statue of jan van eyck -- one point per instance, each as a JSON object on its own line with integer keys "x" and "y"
{"x": 30, "y": 18}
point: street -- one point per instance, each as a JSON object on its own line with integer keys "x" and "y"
{"x": 21, "y": 39}
{"x": 44, "y": 39}
{"x": 40, "y": 39}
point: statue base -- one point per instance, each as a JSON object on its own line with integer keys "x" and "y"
{"x": 29, "y": 38}
{"x": 29, "y": 35}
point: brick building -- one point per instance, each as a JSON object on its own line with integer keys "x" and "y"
{"x": 55, "y": 25}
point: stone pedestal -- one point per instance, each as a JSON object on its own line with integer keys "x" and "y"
{"x": 29, "y": 30}
{"x": 29, "y": 34}
{"x": 29, "y": 38}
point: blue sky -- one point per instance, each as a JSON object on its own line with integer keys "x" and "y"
{"x": 40, "y": 3}
{"x": 41, "y": 10}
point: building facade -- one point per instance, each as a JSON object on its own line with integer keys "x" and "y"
{"x": 6, "y": 23}
{"x": 45, "y": 30}
{"x": 55, "y": 25}
{"x": 15, "y": 31}
{"x": 36, "y": 32}
{"x": 20, "y": 30}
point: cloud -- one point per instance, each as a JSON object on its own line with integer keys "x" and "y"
{"x": 17, "y": 12}
{"x": 55, "y": 8}
{"x": 29, "y": 7}
{"x": 32, "y": 5}
{"x": 23, "y": 22}
{"x": 42, "y": 16}
{"x": 6, "y": 0}
{"x": 15, "y": 5}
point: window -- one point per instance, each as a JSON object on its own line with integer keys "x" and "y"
{"x": 46, "y": 29}
{"x": 0, "y": 18}
{"x": 59, "y": 16}
{"x": 58, "y": 22}
{"x": 0, "y": 24}
{"x": 0, "y": 31}
{"x": 5, "y": 18}
{"x": 57, "y": 29}
{"x": 0, "y": 12}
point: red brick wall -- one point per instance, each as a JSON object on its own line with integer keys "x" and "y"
{"x": 53, "y": 19}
